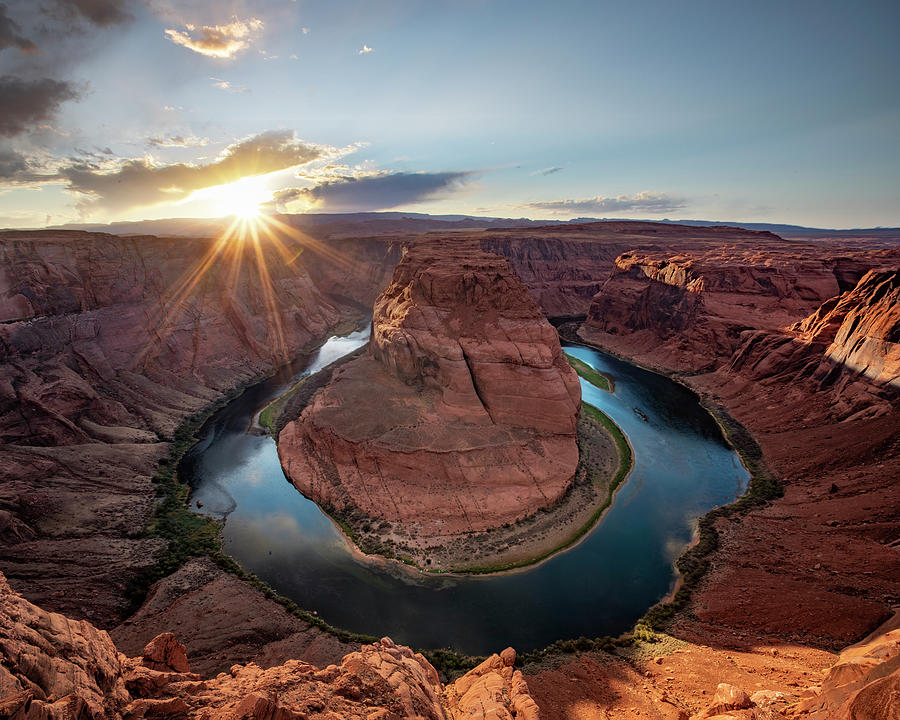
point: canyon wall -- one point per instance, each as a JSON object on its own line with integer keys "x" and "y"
{"x": 462, "y": 416}
{"x": 108, "y": 343}
{"x": 810, "y": 368}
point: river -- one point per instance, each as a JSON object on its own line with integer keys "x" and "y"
{"x": 601, "y": 586}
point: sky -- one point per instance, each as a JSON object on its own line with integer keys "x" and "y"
{"x": 763, "y": 111}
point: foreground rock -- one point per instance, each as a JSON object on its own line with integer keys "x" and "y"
{"x": 53, "y": 668}
{"x": 460, "y": 418}
{"x": 228, "y": 621}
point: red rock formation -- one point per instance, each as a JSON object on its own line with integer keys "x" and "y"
{"x": 107, "y": 345}
{"x": 695, "y": 306}
{"x": 849, "y": 347}
{"x": 53, "y": 668}
{"x": 863, "y": 683}
{"x": 817, "y": 393}
{"x": 463, "y": 416}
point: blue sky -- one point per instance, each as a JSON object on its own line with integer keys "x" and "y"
{"x": 765, "y": 111}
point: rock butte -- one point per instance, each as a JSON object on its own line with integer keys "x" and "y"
{"x": 462, "y": 415}
{"x": 83, "y": 426}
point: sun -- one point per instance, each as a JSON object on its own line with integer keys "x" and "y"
{"x": 241, "y": 199}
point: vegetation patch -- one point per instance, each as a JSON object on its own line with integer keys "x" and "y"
{"x": 592, "y": 375}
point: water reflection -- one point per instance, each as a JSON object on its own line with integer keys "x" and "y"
{"x": 682, "y": 469}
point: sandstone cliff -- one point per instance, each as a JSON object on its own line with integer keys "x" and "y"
{"x": 108, "y": 343}
{"x": 850, "y": 346}
{"x": 814, "y": 380}
{"x": 460, "y": 419}
{"x": 691, "y": 309}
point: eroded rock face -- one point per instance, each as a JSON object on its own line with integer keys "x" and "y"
{"x": 812, "y": 379}
{"x": 849, "y": 348}
{"x": 461, "y": 418}
{"x": 456, "y": 320}
{"x": 108, "y": 343}
{"x": 54, "y": 668}
{"x": 52, "y": 665}
{"x": 863, "y": 683}
{"x": 694, "y": 306}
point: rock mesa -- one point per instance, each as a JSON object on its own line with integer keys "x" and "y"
{"x": 461, "y": 417}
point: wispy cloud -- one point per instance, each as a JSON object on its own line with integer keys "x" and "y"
{"x": 548, "y": 171}
{"x": 141, "y": 182}
{"x": 178, "y": 141}
{"x": 365, "y": 50}
{"x": 381, "y": 191}
{"x": 219, "y": 41}
{"x": 227, "y": 86}
{"x": 650, "y": 202}
{"x": 101, "y": 12}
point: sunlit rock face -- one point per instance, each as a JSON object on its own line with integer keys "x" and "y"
{"x": 849, "y": 348}
{"x": 461, "y": 417}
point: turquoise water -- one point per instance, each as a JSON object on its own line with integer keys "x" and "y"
{"x": 682, "y": 469}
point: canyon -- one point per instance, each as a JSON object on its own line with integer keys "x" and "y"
{"x": 111, "y": 343}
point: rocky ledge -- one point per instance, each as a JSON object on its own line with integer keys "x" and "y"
{"x": 460, "y": 418}
{"x": 54, "y": 668}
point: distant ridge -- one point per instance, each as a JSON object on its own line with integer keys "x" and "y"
{"x": 422, "y": 222}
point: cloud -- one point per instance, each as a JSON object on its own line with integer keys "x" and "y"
{"x": 373, "y": 192}
{"x": 30, "y": 102}
{"x": 140, "y": 182}
{"x": 304, "y": 30}
{"x": 228, "y": 87}
{"x": 101, "y": 12}
{"x": 365, "y": 49}
{"x": 646, "y": 201}
{"x": 10, "y": 34}
{"x": 12, "y": 164}
{"x": 219, "y": 41}
{"x": 548, "y": 171}
{"x": 178, "y": 141}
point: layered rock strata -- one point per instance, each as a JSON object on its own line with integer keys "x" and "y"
{"x": 461, "y": 417}
{"x": 817, "y": 388}
{"x": 108, "y": 343}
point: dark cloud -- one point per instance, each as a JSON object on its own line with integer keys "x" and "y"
{"x": 375, "y": 192}
{"x": 100, "y": 12}
{"x": 139, "y": 182}
{"x": 10, "y": 34}
{"x": 651, "y": 202}
{"x": 27, "y": 103}
{"x": 12, "y": 164}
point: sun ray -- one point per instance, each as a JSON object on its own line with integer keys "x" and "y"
{"x": 264, "y": 240}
